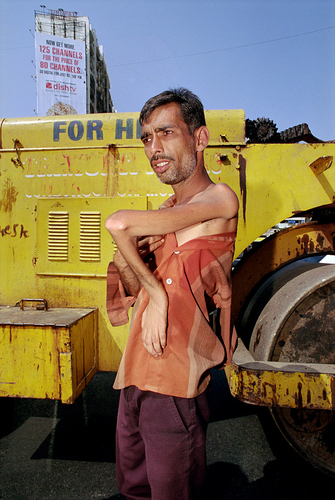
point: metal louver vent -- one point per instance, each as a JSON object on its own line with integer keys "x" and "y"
{"x": 90, "y": 236}
{"x": 58, "y": 236}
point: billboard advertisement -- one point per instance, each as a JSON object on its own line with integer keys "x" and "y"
{"x": 61, "y": 75}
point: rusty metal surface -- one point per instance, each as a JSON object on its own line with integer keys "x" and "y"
{"x": 293, "y": 341}
{"x": 276, "y": 251}
{"x": 309, "y": 424}
{"x": 304, "y": 305}
{"x": 275, "y": 383}
{"x": 309, "y": 335}
{"x": 310, "y": 432}
{"x": 58, "y": 317}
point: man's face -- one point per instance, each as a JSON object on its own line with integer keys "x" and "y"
{"x": 168, "y": 144}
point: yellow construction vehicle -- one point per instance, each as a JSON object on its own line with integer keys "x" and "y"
{"x": 60, "y": 178}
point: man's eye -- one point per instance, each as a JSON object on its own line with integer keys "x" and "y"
{"x": 145, "y": 140}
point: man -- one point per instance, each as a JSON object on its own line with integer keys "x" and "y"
{"x": 165, "y": 370}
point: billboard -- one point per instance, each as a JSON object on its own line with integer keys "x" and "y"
{"x": 61, "y": 75}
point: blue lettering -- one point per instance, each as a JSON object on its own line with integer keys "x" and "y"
{"x": 58, "y": 130}
{"x": 138, "y": 130}
{"x": 119, "y": 129}
{"x": 75, "y": 130}
{"x": 94, "y": 126}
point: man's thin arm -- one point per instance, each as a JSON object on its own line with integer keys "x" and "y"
{"x": 129, "y": 279}
{"x": 219, "y": 203}
{"x": 155, "y": 314}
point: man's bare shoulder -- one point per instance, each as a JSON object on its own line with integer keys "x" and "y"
{"x": 218, "y": 208}
{"x": 220, "y": 189}
{"x": 222, "y": 195}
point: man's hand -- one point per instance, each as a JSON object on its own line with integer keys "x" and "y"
{"x": 154, "y": 323}
{"x": 145, "y": 245}
{"x": 154, "y": 318}
{"x": 148, "y": 244}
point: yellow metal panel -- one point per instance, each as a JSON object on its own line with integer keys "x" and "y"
{"x": 29, "y": 362}
{"x": 98, "y": 131}
{"x": 84, "y": 344}
{"x": 71, "y": 131}
{"x": 270, "y": 383}
{"x": 68, "y": 386}
{"x": 226, "y": 127}
{"x": 47, "y": 354}
{"x": 274, "y": 182}
{"x": 78, "y": 282}
{"x": 71, "y": 235}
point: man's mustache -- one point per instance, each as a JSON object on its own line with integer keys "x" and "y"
{"x": 160, "y": 157}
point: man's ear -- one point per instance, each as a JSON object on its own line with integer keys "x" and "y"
{"x": 202, "y": 137}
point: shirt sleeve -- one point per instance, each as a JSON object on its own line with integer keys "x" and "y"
{"x": 216, "y": 282}
{"x": 118, "y": 302}
{"x": 222, "y": 300}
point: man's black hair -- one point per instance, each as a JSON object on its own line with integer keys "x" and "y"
{"x": 191, "y": 107}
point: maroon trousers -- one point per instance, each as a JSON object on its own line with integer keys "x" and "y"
{"x": 160, "y": 445}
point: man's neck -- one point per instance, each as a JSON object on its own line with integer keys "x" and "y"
{"x": 195, "y": 184}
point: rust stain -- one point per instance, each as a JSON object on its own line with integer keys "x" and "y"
{"x": 332, "y": 390}
{"x": 111, "y": 165}
{"x": 298, "y": 396}
{"x": 272, "y": 392}
{"x": 305, "y": 243}
{"x": 9, "y": 196}
{"x": 17, "y": 161}
{"x": 243, "y": 182}
{"x": 308, "y": 245}
{"x": 320, "y": 239}
{"x": 258, "y": 337}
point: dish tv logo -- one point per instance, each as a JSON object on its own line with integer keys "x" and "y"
{"x": 60, "y": 86}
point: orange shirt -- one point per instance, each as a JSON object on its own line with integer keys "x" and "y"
{"x": 197, "y": 278}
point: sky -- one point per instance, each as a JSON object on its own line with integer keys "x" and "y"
{"x": 272, "y": 58}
